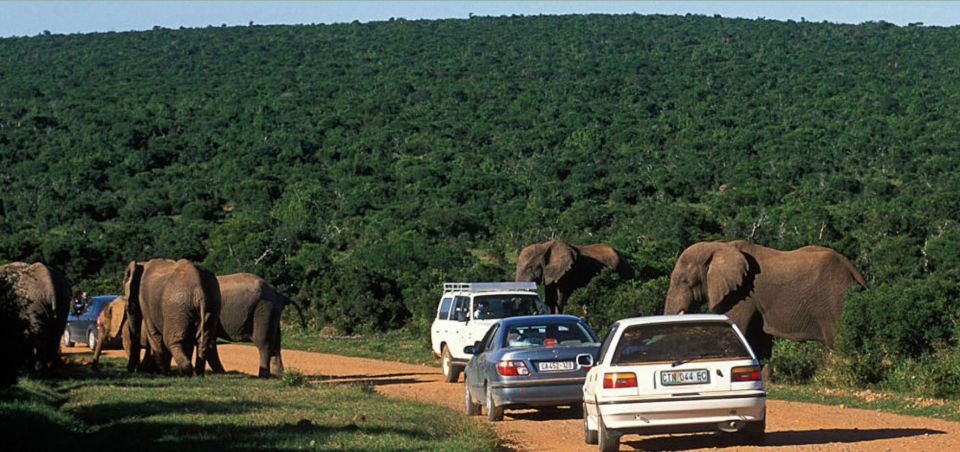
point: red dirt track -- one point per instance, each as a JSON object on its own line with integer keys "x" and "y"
{"x": 790, "y": 425}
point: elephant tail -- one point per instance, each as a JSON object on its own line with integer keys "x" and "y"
{"x": 303, "y": 320}
{"x": 855, "y": 274}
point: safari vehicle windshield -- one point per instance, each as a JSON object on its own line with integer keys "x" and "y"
{"x": 503, "y": 306}
{"x": 678, "y": 343}
{"x": 565, "y": 333}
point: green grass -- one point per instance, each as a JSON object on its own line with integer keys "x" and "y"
{"x": 111, "y": 409}
{"x": 948, "y": 409}
{"x": 397, "y": 345}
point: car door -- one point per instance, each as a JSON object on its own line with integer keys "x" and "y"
{"x": 441, "y": 324}
{"x": 458, "y": 322}
{"x": 487, "y": 361}
{"x": 477, "y": 370}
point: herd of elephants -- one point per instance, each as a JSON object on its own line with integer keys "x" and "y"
{"x": 173, "y": 307}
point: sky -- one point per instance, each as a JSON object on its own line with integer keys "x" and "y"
{"x": 33, "y": 18}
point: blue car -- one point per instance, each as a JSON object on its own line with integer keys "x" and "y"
{"x": 82, "y": 327}
{"x": 529, "y": 361}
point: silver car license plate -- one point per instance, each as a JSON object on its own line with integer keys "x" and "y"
{"x": 553, "y": 366}
{"x": 684, "y": 377}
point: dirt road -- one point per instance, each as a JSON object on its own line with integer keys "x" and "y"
{"x": 790, "y": 425}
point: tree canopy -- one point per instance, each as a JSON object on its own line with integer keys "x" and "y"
{"x": 356, "y": 166}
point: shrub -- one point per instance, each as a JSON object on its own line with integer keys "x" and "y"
{"x": 796, "y": 362}
{"x": 607, "y": 299}
{"x": 906, "y": 318}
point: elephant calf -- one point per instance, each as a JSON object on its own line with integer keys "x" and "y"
{"x": 250, "y": 311}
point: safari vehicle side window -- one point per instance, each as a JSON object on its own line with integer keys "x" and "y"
{"x": 445, "y": 308}
{"x": 461, "y": 307}
{"x": 607, "y": 340}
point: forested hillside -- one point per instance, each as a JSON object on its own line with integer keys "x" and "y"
{"x": 357, "y": 166}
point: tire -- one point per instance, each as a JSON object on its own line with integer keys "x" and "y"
{"x": 609, "y": 441}
{"x": 494, "y": 412}
{"x": 451, "y": 372}
{"x": 92, "y": 339}
{"x": 67, "y": 340}
{"x": 589, "y": 436}
{"x": 473, "y": 409}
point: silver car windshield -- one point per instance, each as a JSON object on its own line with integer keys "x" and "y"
{"x": 503, "y": 306}
{"x": 568, "y": 333}
{"x": 678, "y": 341}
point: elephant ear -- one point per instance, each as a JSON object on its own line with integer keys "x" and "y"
{"x": 558, "y": 260}
{"x": 725, "y": 272}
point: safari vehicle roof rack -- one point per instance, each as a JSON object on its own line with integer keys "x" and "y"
{"x": 488, "y": 286}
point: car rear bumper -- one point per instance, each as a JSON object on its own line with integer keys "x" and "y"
{"x": 568, "y": 391}
{"x": 698, "y": 414}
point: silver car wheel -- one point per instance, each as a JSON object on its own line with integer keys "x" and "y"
{"x": 92, "y": 340}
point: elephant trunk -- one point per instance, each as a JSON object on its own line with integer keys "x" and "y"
{"x": 676, "y": 303}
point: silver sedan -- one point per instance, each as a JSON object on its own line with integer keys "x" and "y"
{"x": 529, "y": 361}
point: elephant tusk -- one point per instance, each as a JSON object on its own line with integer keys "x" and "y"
{"x": 682, "y": 312}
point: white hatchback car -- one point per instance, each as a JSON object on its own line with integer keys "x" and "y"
{"x": 673, "y": 374}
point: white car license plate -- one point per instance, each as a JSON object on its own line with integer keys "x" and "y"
{"x": 684, "y": 377}
{"x": 551, "y": 366}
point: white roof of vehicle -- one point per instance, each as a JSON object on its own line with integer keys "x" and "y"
{"x": 489, "y": 286}
{"x": 674, "y": 319}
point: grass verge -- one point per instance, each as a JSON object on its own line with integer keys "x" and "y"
{"x": 867, "y": 399}
{"x": 110, "y": 409}
{"x": 398, "y": 345}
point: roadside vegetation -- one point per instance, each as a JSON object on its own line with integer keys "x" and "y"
{"x": 358, "y": 166}
{"x": 111, "y": 410}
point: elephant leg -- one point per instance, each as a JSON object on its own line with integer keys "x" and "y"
{"x": 276, "y": 362}
{"x": 561, "y": 300}
{"x": 261, "y": 338}
{"x": 180, "y": 345}
{"x": 213, "y": 358}
{"x": 550, "y": 298}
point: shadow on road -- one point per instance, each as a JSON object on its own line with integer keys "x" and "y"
{"x": 375, "y": 379}
{"x": 779, "y": 438}
{"x": 545, "y": 414}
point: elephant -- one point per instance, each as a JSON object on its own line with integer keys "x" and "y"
{"x": 250, "y": 311}
{"x": 176, "y": 304}
{"x": 796, "y": 295}
{"x": 563, "y": 268}
{"x": 46, "y": 295}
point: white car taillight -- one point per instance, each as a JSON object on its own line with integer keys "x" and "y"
{"x": 512, "y": 368}
{"x": 614, "y": 380}
{"x": 745, "y": 373}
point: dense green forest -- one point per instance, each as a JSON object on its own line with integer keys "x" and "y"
{"x": 357, "y": 166}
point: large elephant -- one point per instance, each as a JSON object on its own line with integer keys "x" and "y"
{"x": 178, "y": 305}
{"x": 563, "y": 268}
{"x": 250, "y": 311}
{"x": 796, "y": 295}
{"x": 46, "y": 295}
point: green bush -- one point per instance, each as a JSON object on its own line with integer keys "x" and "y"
{"x": 933, "y": 375}
{"x": 796, "y": 362}
{"x": 607, "y": 299}
{"x": 906, "y": 318}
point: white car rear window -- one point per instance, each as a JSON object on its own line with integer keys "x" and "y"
{"x": 669, "y": 342}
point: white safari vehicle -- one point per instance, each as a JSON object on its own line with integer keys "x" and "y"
{"x": 673, "y": 374}
{"x": 467, "y": 310}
